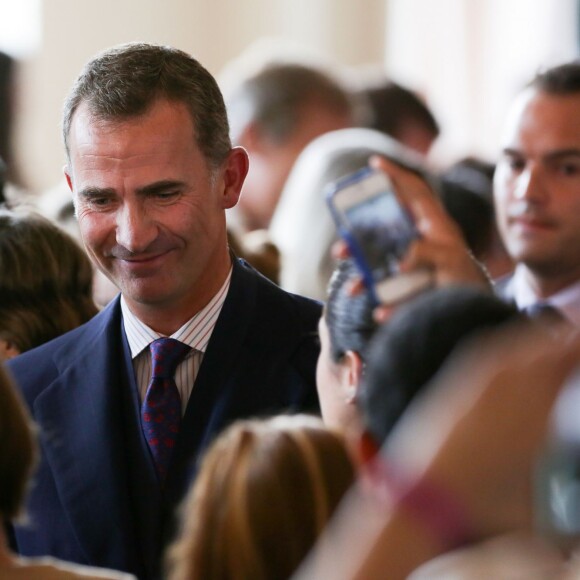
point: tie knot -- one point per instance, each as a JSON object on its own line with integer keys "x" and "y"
{"x": 166, "y": 354}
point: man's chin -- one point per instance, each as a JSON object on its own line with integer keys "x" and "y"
{"x": 145, "y": 294}
{"x": 530, "y": 253}
{"x": 547, "y": 265}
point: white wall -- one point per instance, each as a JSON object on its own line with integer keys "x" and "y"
{"x": 214, "y": 31}
{"x": 469, "y": 58}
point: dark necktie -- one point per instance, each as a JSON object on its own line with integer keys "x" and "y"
{"x": 161, "y": 409}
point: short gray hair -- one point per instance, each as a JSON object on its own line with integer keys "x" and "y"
{"x": 125, "y": 81}
{"x": 273, "y": 98}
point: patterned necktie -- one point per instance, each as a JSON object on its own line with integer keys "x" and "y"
{"x": 161, "y": 409}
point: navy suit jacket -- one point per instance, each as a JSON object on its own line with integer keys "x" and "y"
{"x": 95, "y": 498}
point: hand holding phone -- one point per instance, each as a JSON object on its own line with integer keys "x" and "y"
{"x": 378, "y": 231}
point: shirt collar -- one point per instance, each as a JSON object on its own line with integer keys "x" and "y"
{"x": 196, "y": 332}
{"x": 566, "y": 301}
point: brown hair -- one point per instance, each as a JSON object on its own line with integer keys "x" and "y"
{"x": 264, "y": 493}
{"x": 393, "y": 106}
{"x": 18, "y": 449}
{"x": 259, "y": 250}
{"x": 560, "y": 80}
{"x": 45, "y": 280}
{"x": 125, "y": 81}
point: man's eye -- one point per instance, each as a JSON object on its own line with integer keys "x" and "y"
{"x": 569, "y": 169}
{"x": 98, "y": 201}
{"x": 165, "y": 195}
{"x": 516, "y": 164}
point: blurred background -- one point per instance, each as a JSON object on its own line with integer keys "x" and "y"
{"x": 466, "y": 58}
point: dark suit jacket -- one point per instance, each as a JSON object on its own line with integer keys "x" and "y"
{"x": 95, "y": 498}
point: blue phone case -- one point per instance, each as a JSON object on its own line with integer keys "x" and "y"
{"x": 346, "y": 234}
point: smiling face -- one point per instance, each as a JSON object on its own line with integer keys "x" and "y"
{"x": 151, "y": 209}
{"x": 537, "y": 188}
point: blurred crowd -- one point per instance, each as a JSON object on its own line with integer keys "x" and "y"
{"x": 197, "y": 381}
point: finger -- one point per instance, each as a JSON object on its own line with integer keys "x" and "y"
{"x": 403, "y": 179}
{"x": 354, "y": 286}
{"x": 450, "y": 263}
{"x": 339, "y": 250}
{"x": 424, "y": 254}
{"x": 414, "y": 193}
{"x": 382, "y": 313}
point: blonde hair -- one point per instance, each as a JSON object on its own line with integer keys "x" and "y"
{"x": 264, "y": 493}
{"x": 18, "y": 448}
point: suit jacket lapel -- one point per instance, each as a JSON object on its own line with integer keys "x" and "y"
{"x": 82, "y": 432}
{"x": 223, "y": 349}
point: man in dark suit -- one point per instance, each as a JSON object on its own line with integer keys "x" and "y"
{"x": 152, "y": 169}
{"x": 537, "y": 193}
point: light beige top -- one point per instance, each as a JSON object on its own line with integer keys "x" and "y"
{"x": 515, "y": 556}
{"x": 51, "y": 569}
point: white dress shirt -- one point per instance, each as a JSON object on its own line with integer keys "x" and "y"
{"x": 567, "y": 301}
{"x": 565, "y": 424}
{"x": 196, "y": 333}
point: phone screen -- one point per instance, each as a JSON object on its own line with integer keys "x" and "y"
{"x": 371, "y": 218}
{"x": 382, "y": 230}
{"x": 378, "y": 231}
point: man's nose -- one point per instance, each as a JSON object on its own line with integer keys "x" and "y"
{"x": 530, "y": 185}
{"x": 135, "y": 229}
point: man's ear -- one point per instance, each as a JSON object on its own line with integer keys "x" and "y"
{"x": 234, "y": 173}
{"x": 353, "y": 369}
{"x": 67, "y": 175}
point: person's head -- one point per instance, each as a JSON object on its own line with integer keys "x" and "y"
{"x": 475, "y": 173}
{"x": 274, "y": 114}
{"x": 152, "y": 170}
{"x": 467, "y": 194}
{"x": 264, "y": 493}
{"x": 345, "y": 330}
{"x": 537, "y": 181}
{"x": 472, "y": 212}
{"x": 402, "y": 114}
{"x": 302, "y": 226}
{"x": 45, "y": 282}
{"x": 408, "y": 351}
{"x": 18, "y": 449}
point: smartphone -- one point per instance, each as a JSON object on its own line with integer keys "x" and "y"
{"x": 378, "y": 231}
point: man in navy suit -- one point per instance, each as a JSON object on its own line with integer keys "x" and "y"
{"x": 537, "y": 193}
{"x": 152, "y": 170}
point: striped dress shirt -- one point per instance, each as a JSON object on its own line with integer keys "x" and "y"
{"x": 196, "y": 333}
